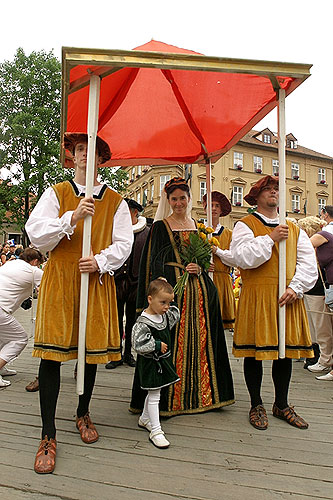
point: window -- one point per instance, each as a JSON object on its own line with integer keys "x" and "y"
{"x": 139, "y": 169}
{"x": 275, "y": 165}
{"x": 138, "y": 197}
{"x": 145, "y": 197}
{"x": 292, "y": 144}
{"x": 295, "y": 171}
{"x": 238, "y": 161}
{"x": 203, "y": 189}
{"x": 295, "y": 202}
{"x": 237, "y": 196}
{"x": 152, "y": 191}
{"x": 257, "y": 164}
{"x": 267, "y": 138}
{"x": 133, "y": 174}
{"x": 322, "y": 175}
{"x": 321, "y": 204}
{"x": 163, "y": 180}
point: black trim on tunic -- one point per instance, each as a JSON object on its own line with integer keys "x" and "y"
{"x": 98, "y": 196}
{"x": 257, "y": 216}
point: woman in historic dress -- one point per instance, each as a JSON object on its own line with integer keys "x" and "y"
{"x": 198, "y": 345}
{"x": 222, "y": 279}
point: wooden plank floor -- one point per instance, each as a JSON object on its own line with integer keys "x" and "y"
{"x": 212, "y": 456}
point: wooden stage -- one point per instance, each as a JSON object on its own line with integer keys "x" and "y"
{"x": 213, "y": 456}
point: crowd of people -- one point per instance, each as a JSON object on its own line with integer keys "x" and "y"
{"x": 182, "y": 362}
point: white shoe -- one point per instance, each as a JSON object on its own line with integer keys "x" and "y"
{"x": 7, "y": 372}
{"x": 328, "y": 376}
{"x": 317, "y": 368}
{"x": 3, "y": 382}
{"x": 144, "y": 424}
{"x": 158, "y": 439}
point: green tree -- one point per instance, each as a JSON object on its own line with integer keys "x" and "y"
{"x": 114, "y": 177}
{"x": 30, "y": 94}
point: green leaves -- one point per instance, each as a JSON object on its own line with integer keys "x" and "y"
{"x": 29, "y": 130}
{"x": 196, "y": 250}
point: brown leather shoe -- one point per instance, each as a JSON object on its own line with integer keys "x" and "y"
{"x": 258, "y": 418}
{"x": 33, "y": 386}
{"x": 290, "y": 416}
{"x": 87, "y": 429}
{"x": 45, "y": 457}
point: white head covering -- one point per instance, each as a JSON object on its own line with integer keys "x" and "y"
{"x": 164, "y": 209}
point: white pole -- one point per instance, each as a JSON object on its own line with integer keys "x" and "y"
{"x": 282, "y": 218}
{"x": 93, "y": 109}
{"x": 209, "y": 191}
{"x": 209, "y": 199}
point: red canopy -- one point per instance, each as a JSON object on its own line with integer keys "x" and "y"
{"x": 151, "y": 115}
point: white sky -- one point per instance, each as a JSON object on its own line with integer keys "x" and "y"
{"x": 289, "y": 31}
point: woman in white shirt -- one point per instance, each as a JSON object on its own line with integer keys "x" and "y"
{"x": 17, "y": 278}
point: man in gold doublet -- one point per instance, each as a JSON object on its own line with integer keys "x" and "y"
{"x": 56, "y": 226}
{"x": 255, "y": 250}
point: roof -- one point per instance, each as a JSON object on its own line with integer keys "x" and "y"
{"x": 250, "y": 138}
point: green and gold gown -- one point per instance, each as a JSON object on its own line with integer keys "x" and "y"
{"x": 198, "y": 346}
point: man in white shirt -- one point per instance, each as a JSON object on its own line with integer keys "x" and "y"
{"x": 17, "y": 278}
{"x": 56, "y": 226}
{"x": 254, "y": 248}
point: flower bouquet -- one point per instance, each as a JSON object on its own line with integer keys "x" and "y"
{"x": 197, "y": 249}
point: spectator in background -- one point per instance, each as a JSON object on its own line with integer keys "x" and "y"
{"x": 314, "y": 299}
{"x": 126, "y": 280}
{"x": 323, "y": 242}
{"x": 5, "y": 250}
{"x": 327, "y": 215}
{"x": 12, "y": 255}
{"x": 16, "y": 281}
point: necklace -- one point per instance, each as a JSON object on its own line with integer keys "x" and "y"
{"x": 181, "y": 223}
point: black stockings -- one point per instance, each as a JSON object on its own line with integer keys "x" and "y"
{"x": 49, "y": 385}
{"x": 281, "y": 374}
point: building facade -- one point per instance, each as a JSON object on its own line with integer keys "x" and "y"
{"x": 309, "y": 177}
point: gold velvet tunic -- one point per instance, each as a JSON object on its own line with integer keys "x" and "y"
{"x": 223, "y": 282}
{"x": 256, "y": 327}
{"x": 57, "y": 322}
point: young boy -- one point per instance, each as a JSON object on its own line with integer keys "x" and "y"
{"x": 151, "y": 341}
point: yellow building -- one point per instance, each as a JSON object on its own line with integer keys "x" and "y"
{"x": 309, "y": 177}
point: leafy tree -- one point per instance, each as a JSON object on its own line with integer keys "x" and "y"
{"x": 114, "y": 177}
{"x": 30, "y": 95}
{"x": 29, "y": 130}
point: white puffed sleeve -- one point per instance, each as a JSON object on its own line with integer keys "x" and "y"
{"x": 306, "y": 273}
{"x": 247, "y": 250}
{"x": 45, "y": 228}
{"x": 114, "y": 256}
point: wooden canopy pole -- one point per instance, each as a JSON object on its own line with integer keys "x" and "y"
{"x": 93, "y": 109}
{"x": 282, "y": 218}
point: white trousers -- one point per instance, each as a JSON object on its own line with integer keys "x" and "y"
{"x": 151, "y": 409}
{"x": 323, "y": 326}
{"x": 13, "y": 337}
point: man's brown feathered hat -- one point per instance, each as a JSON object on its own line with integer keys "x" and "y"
{"x": 251, "y": 197}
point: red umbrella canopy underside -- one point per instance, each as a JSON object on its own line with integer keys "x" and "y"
{"x": 157, "y": 116}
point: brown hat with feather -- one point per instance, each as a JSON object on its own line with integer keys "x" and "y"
{"x": 251, "y": 197}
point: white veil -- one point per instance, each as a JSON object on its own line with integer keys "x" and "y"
{"x": 164, "y": 210}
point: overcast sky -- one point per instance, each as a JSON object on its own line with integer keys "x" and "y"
{"x": 290, "y": 31}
